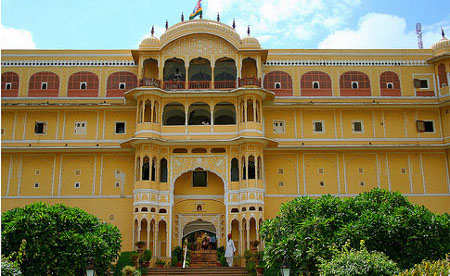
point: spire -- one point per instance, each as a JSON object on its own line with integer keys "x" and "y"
{"x": 167, "y": 24}
{"x": 248, "y": 30}
{"x": 201, "y": 15}
{"x": 153, "y": 30}
{"x": 218, "y": 17}
{"x": 182, "y": 17}
{"x": 234, "y": 24}
{"x": 443, "y": 33}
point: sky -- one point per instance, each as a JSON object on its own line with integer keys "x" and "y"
{"x": 281, "y": 24}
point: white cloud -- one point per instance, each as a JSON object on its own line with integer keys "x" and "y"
{"x": 378, "y": 31}
{"x": 11, "y": 38}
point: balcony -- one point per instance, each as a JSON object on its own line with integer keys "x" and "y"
{"x": 199, "y": 84}
{"x": 174, "y": 85}
{"x": 43, "y": 92}
{"x": 231, "y": 84}
{"x": 150, "y": 82}
{"x": 249, "y": 81}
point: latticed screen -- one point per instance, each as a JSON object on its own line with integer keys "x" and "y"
{"x": 389, "y": 77}
{"x": 10, "y": 77}
{"x": 310, "y": 77}
{"x": 352, "y": 76}
{"x": 277, "y": 77}
{"x": 128, "y": 78}
{"x": 90, "y": 78}
{"x": 50, "y": 78}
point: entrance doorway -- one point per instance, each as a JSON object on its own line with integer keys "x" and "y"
{"x": 200, "y": 235}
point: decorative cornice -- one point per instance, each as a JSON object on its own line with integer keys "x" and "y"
{"x": 346, "y": 63}
{"x": 71, "y": 63}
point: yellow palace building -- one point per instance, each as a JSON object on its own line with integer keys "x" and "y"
{"x": 201, "y": 129}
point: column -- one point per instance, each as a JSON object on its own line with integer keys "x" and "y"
{"x": 248, "y": 232}
{"x": 212, "y": 78}
{"x": 155, "y": 242}
{"x": 254, "y": 109}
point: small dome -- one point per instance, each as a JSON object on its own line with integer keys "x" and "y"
{"x": 149, "y": 42}
{"x": 250, "y": 41}
{"x": 443, "y": 43}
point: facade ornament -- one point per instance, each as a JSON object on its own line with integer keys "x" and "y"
{"x": 218, "y": 17}
{"x": 248, "y": 30}
{"x": 153, "y": 30}
{"x": 234, "y": 24}
{"x": 182, "y": 17}
{"x": 443, "y": 33}
{"x": 167, "y": 24}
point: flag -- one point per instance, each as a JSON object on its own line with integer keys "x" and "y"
{"x": 197, "y": 10}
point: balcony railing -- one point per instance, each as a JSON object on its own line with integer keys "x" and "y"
{"x": 174, "y": 85}
{"x": 43, "y": 93}
{"x": 229, "y": 84}
{"x": 249, "y": 81}
{"x": 150, "y": 82}
{"x": 199, "y": 84}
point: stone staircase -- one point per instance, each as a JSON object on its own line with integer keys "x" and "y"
{"x": 201, "y": 271}
{"x": 203, "y": 258}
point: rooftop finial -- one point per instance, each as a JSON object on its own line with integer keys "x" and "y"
{"x": 201, "y": 15}
{"x": 443, "y": 33}
{"x": 182, "y": 17}
{"x": 153, "y": 30}
{"x": 234, "y": 24}
{"x": 248, "y": 30}
{"x": 167, "y": 24}
{"x": 218, "y": 17}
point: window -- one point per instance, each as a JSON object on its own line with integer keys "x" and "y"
{"x": 320, "y": 170}
{"x": 280, "y": 184}
{"x": 120, "y": 127}
{"x": 199, "y": 179}
{"x": 77, "y": 185}
{"x": 83, "y": 85}
{"x": 280, "y": 171}
{"x": 418, "y": 83}
{"x": 43, "y": 85}
{"x": 37, "y": 172}
{"x": 318, "y": 126}
{"x": 8, "y": 85}
{"x": 39, "y": 128}
{"x": 390, "y": 85}
{"x": 357, "y": 126}
{"x": 77, "y": 172}
{"x": 354, "y": 85}
{"x": 362, "y": 184}
{"x": 322, "y": 184}
{"x": 425, "y": 126}
{"x": 278, "y": 126}
{"x": 163, "y": 170}
{"x": 235, "y": 210}
{"x": 162, "y": 211}
{"x": 3, "y": 131}
{"x": 277, "y": 85}
{"x": 117, "y": 184}
{"x": 316, "y": 85}
{"x": 361, "y": 170}
{"x": 403, "y": 170}
{"x": 36, "y": 185}
{"x": 122, "y": 85}
{"x": 80, "y": 128}
{"x": 234, "y": 170}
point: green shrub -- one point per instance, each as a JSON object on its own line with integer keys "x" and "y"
{"x": 251, "y": 268}
{"x": 60, "y": 240}
{"x": 130, "y": 271}
{"x": 440, "y": 267}
{"x": 174, "y": 260}
{"x": 307, "y": 228}
{"x": 223, "y": 261}
{"x": 362, "y": 262}
{"x": 10, "y": 268}
{"x": 125, "y": 259}
{"x": 145, "y": 257}
{"x": 178, "y": 251}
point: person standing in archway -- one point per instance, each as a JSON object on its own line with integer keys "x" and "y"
{"x": 229, "y": 252}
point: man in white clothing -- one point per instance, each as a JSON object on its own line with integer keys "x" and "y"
{"x": 229, "y": 252}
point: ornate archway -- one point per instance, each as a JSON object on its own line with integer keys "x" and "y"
{"x": 201, "y": 221}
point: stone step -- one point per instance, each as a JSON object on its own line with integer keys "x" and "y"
{"x": 208, "y": 271}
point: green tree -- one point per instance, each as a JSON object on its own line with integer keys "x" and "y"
{"x": 307, "y": 229}
{"x": 60, "y": 240}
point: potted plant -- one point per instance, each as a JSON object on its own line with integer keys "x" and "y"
{"x": 254, "y": 245}
{"x": 257, "y": 256}
{"x": 237, "y": 261}
{"x": 260, "y": 267}
{"x": 177, "y": 252}
{"x": 135, "y": 258}
{"x": 247, "y": 256}
{"x": 140, "y": 246}
{"x": 160, "y": 263}
{"x": 144, "y": 258}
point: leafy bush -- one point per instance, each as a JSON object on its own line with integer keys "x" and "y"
{"x": 223, "y": 261}
{"x": 251, "y": 268}
{"x": 174, "y": 260}
{"x": 178, "y": 252}
{"x": 60, "y": 240}
{"x": 440, "y": 267}
{"x": 130, "y": 271}
{"x": 145, "y": 257}
{"x": 10, "y": 268}
{"x": 351, "y": 262}
{"x": 306, "y": 229}
{"x": 125, "y": 259}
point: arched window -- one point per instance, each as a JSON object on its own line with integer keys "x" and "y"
{"x": 244, "y": 209}
{"x": 218, "y": 150}
{"x": 259, "y": 166}
{"x": 225, "y": 73}
{"x": 120, "y": 82}
{"x": 257, "y": 112}
{"x": 199, "y": 150}
{"x": 146, "y": 168}
{"x": 180, "y": 150}
{"x": 138, "y": 169}
{"x": 144, "y": 209}
{"x": 249, "y": 68}
{"x": 442, "y": 75}
{"x": 278, "y": 82}
{"x": 154, "y": 169}
{"x": 244, "y": 170}
{"x": 162, "y": 211}
{"x": 250, "y": 117}
{"x": 155, "y": 112}
{"x": 199, "y": 74}
{"x": 252, "y": 208}
{"x": 234, "y": 210}
{"x": 153, "y": 210}
{"x": 136, "y": 210}
{"x": 174, "y": 74}
{"x": 43, "y": 84}
{"x": 148, "y": 111}
{"x": 315, "y": 83}
{"x": 354, "y": 83}
{"x": 163, "y": 170}
{"x": 224, "y": 114}
{"x": 251, "y": 167}
{"x": 199, "y": 114}
{"x": 234, "y": 169}
{"x": 10, "y": 84}
{"x": 242, "y": 111}
{"x": 140, "y": 112}
{"x": 79, "y": 80}
{"x": 174, "y": 114}
{"x": 389, "y": 84}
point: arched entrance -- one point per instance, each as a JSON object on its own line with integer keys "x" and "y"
{"x": 199, "y": 225}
